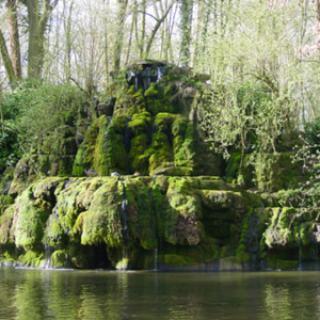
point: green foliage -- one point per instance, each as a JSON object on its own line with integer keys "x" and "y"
{"x": 44, "y": 108}
{"x": 277, "y": 171}
{"x": 312, "y": 132}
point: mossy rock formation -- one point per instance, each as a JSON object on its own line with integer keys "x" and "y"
{"x": 132, "y": 183}
{"x": 127, "y": 217}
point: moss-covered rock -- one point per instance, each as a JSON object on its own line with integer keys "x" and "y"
{"x": 135, "y": 215}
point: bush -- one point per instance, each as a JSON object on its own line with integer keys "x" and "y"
{"x": 42, "y": 119}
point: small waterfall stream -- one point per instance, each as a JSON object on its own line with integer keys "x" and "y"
{"x": 47, "y": 254}
{"x": 123, "y": 263}
{"x": 124, "y": 214}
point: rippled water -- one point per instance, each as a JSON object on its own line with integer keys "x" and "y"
{"x": 33, "y": 295}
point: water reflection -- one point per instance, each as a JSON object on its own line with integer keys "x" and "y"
{"x": 33, "y": 295}
{"x": 278, "y": 303}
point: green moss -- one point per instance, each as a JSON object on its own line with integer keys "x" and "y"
{"x": 122, "y": 264}
{"x": 30, "y": 221}
{"x": 161, "y": 158}
{"x": 139, "y": 154}
{"x": 152, "y": 91}
{"x": 54, "y": 234}
{"x": 140, "y": 126}
{"x": 112, "y": 148}
{"x": 60, "y": 259}
{"x": 5, "y": 202}
{"x": 181, "y": 221}
{"x": 163, "y": 121}
{"x": 290, "y": 227}
{"x": 31, "y": 259}
{"x": 183, "y": 145}
{"x": 6, "y": 220}
{"x": 218, "y": 199}
{"x": 142, "y": 212}
{"x": 84, "y": 157}
{"x": 252, "y": 229}
{"x": 240, "y": 173}
{"x": 140, "y": 122}
{"x": 100, "y": 161}
{"x": 74, "y": 198}
{"x": 101, "y": 223}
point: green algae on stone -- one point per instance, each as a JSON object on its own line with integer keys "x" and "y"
{"x": 59, "y": 259}
{"x": 83, "y": 213}
{"x": 84, "y": 157}
{"x": 6, "y": 220}
{"x": 183, "y": 145}
{"x": 101, "y": 222}
{"x": 31, "y": 259}
{"x": 30, "y": 221}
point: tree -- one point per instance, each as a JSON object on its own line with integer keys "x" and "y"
{"x": 7, "y": 61}
{"x": 157, "y": 26}
{"x": 38, "y": 14}
{"x": 14, "y": 38}
{"x": 121, "y": 17}
{"x": 11, "y": 62}
{"x": 186, "y": 11}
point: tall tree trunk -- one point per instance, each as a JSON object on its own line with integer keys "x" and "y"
{"x": 38, "y": 18}
{"x": 203, "y": 18}
{"x": 143, "y": 29}
{"x": 106, "y": 45}
{"x": 68, "y": 37}
{"x": 14, "y": 39}
{"x": 7, "y": 61}
{"x": 121, "y": 17}
{"x": 130, "y": 39}
{"x": 186, "y": 9}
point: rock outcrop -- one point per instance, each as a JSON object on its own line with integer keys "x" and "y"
{"x": 132, "y": 183}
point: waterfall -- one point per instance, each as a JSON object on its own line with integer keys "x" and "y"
{"x": 123, "y": 263}
{"x": 124, "y": 214}
{"x": 47, "y": 255}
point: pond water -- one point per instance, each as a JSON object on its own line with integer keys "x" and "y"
{"x": 33, "y": 295}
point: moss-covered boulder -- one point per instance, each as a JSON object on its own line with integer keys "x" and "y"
{"x": 120, "y": 219}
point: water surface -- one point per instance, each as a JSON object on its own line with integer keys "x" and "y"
{"x": 40, "y": 295}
